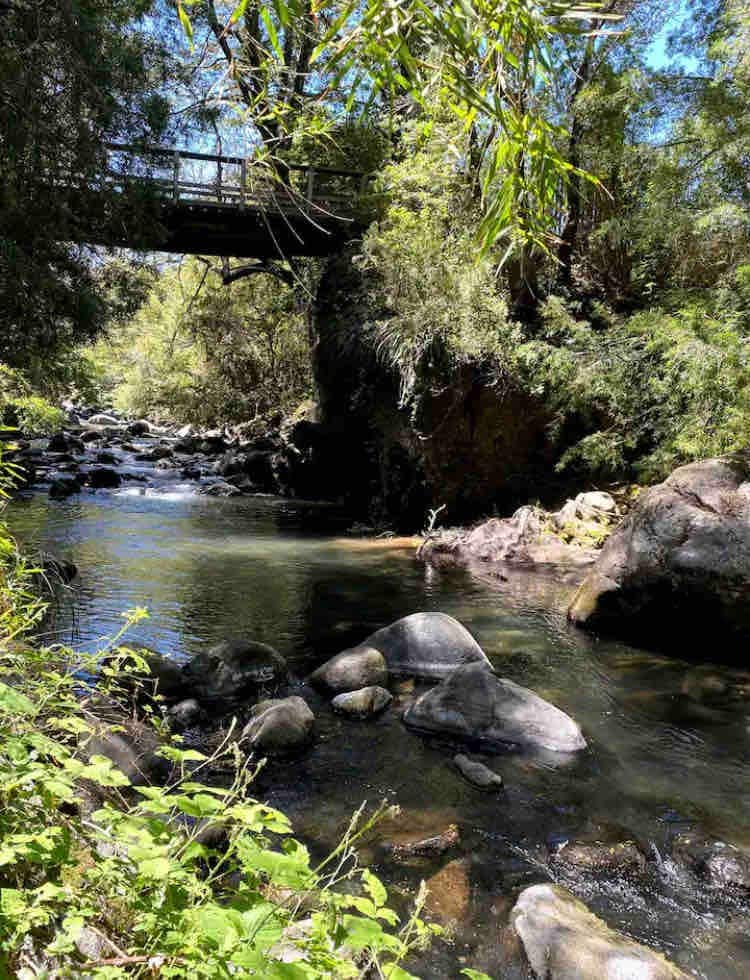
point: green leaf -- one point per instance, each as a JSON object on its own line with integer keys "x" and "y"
{"x": 186, "y": 24}
{"x": 238, "y": 11}
{"x": 13, "y": 702}
{"x": 273, "y": 37}
{"x": 375, "y": 887}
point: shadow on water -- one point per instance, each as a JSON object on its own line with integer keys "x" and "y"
{"x": 668, "y": 739}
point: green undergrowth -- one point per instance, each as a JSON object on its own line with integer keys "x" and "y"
{"x": 102, "y": 878}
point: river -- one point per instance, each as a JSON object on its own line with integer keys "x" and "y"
{"x": 663, "y": 758}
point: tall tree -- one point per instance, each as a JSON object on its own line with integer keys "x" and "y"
{"x": 73, "y": 74}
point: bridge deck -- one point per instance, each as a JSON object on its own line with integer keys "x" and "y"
{"x": 222, "y": 205}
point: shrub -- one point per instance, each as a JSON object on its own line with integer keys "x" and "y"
{"x": 100, "y": 876}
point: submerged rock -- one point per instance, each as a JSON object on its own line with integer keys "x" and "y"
{"x": 425, "y": 644}
{"x": 478, "y": 774}
{"x": 404, "y": 851}
{"x": 61, "y": 569}
{"x": 563, "y": 940}
{"x": 623, "y": 857}
{"x": 720, "y": 865}
{"x": 474, "y": 703}
{"x": 679, "y": 561}
{"x": 449, "y": 893}
{"x": 351, "y": 670}
{"x": 64, "y": 486}
{"x": 234, "y": 669}
{"x": 279, "y": 726}
{"x": 364, "y": 703}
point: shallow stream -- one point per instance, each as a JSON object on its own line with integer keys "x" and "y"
{"x": 668, "y": 739}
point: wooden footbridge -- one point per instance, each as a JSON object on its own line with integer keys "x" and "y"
{"x": 209, "y": 204}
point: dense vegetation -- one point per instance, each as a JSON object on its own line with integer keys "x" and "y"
{"x": 641, "y": 275}
{"x": 565, "y": 210}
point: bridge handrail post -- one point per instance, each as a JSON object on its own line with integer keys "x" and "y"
{"x": 176, "y": 177}
{"x": 243, "y": 182}
{"x": 310, "y": 184}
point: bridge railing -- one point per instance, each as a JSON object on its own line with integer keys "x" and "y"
{"x": 189, "y": 177}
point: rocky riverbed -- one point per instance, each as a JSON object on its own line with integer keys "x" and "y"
{"x": 536, "y": 767}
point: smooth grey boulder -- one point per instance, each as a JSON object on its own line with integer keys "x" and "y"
{"x": 279, "y": 726}
{"x": 351, "y": 670}
{"x": 103, "y": 419}
{"x": 473, "y": 703}
{"x": 563, "y": 940}
{"x": 425, "y": 644}
{"x": 476, "y": 773}
{"x": 365, "y": 703}
{"x": 234, "y": 669}
{"x": 679, "y": 561}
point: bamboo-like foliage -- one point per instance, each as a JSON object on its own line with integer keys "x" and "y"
{"x": 489, "y": 61}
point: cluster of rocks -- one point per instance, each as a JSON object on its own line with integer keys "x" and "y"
{"x": 531, "y": 537}
{"x": 104, "y": 450}
{"x": 469, "y": 704}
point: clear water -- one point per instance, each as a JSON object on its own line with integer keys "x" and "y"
{"x": 663, "y": 757}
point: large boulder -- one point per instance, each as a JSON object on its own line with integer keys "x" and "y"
{"x": 474, "y": 704}
{"x": 563, "y": 940}
{"x": 279, "y": 726}
{"x": 351, "y": 670}
{"x": 234, "y": 669}
{"x": 425, "y": 644}
{"x": 679, "y": 564}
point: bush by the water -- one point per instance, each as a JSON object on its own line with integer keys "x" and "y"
{"x": 185, "y": 878}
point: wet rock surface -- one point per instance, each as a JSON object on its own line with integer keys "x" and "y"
{"x": 563, "y": 940}
{"x": 679, "y": 561}
{"x": 234, "y": 669}
{"x": 619, "y": 857}
{"x": 532, "y": 537}
{"x": 426, "y": 644}
{"x": 476, "y": 773}
{"x": 279, "y": 726}
{"x": 364, "y": 703}
{"x": 474, "y": 704}
{"x": 351, "y": 670}
{"x": 720, "y": 865}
